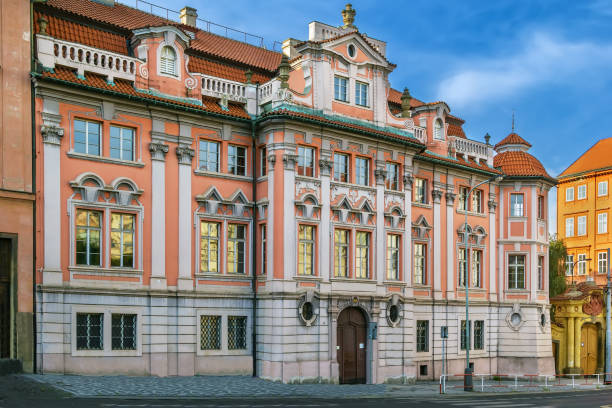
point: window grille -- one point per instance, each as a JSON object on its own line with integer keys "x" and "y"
{"x": 122, "y": 240}
{"x": 362, "y": 171}
{"x": 236, "y": 332}
{"x": 362, "y": 258}
{"x": 124, "y": 332}
{"x": 87, "y": 137}
{"x": 422, "y": 336}
{"x": 236, "y": 163}
{"x": 306, "y": 161}
{"x": 89, "y": 331}
{"x": 210, "y": 332}
{"x": 209, "y": 156}
{"x": 88, "y": 232}
{"x": 121, "y": 143}
{"x": 479, "y": 335}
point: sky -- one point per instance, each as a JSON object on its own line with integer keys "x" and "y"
{"x": 548, "y": 61}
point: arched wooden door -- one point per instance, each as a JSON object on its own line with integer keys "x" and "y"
{"x": 588, "y": 354}
{"x": 352, "y": 346}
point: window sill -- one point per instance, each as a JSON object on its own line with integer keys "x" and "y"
{"x": 352, "y": 280}
{"x": 299, "y": 177}
{"x": 351, "y": 185}
{"x": 222, "y": 175}
{"x": 472, "y": 213}
{"x": 517, "y": 291}
{"x": 517, "y": 218}
{"x": 262, "y": 178}
{"x": 224, "y": 276}
{"x": 421, "y": 205}
{"x": 104, "y": 159}
{"x": 308, "y": 278}
{"x": 394, "y": 283}
{"x": 101, "y": 271}
{"x": 420, "y": 286}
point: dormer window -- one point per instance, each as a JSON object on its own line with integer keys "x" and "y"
{"x": 438, "y": 133}
{"x": 168, "y": 61}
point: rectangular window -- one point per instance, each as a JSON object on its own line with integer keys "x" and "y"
{"x": 209, "y": 247}
{"x": 516, "y": 272}
{"x": 476, "y": 268}
{"x": 569, "y": 227}
{"x": 582, "y": 227}
{"x": 209, "y": 156}
{"x": 341, "y": 167}
{"x": 235, "y": 248}
{"x": 361, "y": 93}
{"x": 88, "y": 235}
{"x": 236, "y": 332}
{"x": 479, "y": 335}
{"x": 123, "y": 332}
{"x": 264, "y": 250}
{"x": 87, "y": 137}
{"x": 121, "y": 143}
{"x": 340, "y": 89}
{"x": 516, "y": 205}
{"x": 263, "y": 157}
{"x": 420, "y": 264}
{"x": 306, "y": 161}
{"x": 477, "y": 201}
{"x": 582, "y": 264}
{"x": 602, "y": 262}
{"x": 464, "y": 335}
{"x": 306, "y": 250}
{"x": 392, "y": 177}
{"x": 122, "y": 240}
{"x": 236, "y": 160}
{"x": 541, "y": 213}
{"x": 602, "y": 223}
{"x": 362, "y": 171}
{"x": 420, "y": 191}
{"x": 569, "y": 194}
{"x": 393, "y": 256}
{"x": 582, "y": 192}
{"x": 602, "y": 188}
{"x": 540, "y": 273}
{"x": 569, "y": 265}
{"x": 422, "y": 336}
{"x": 341, "y": 249}
{"x": 89, "y": 331}
{"x": 462, "y": 266}
{"x": 362, "y": 255}
{"x": 210, "y": 332}
{"x": 463, "y": 202}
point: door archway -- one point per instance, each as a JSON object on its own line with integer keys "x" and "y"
{"x": 352, "y": 343}
{"x": 589, "y": 348}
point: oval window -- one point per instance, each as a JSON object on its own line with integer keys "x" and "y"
{"x": 351, "y": 51}
{"x": 515, "y": 319}
{"x": 543, "y": 319}
{"x": 394, "y": 313}
{"x": 307, "y": 311}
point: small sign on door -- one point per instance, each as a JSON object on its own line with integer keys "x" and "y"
{"x": 361, "y": 345}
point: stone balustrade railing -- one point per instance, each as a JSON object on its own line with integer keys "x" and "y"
{"x": 217, "y": 87}
{"x": 420, "y": 133}
{"x": 470, "y": 148}
{"x": 52, "y": 51}
{"x": 266, "y": 92}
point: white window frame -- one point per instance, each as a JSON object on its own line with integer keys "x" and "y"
{"x": 525, "y": 271}
{"x": 582, "y": 192}
{"x": 602, "y": 263}
{"x": 365, "y": 168}
{"x": 207, "y": 152}
{"x": 602, "y": 188}
{"x": 569, "y": 227}
{"x": 582, "y": 264}
{"x": 301, "y": 150}
{"x": 87, "y": 136}
{"x": 569, "y": 265}
{"x": 122, "y": 130}
{"x": 517, "y": 209}
{"x": 220, "y": 265}
{"x": 176, "y": 74}
{"x": 569, "y": 194}
{"x": 423, "y": 258}
{"x": 359, "y": 90}
{"x": 337, "y": 97}
{"x": 581, "y": 221}
{"x": 224, "y": 313}
{"x": 602, "y": 223}
{"x": 236, "y": 157}
{"x": 107, "y": 312}
{"x": 365, "y": 249}
{"x": 438, "y": 132}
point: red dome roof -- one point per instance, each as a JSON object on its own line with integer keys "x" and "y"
{"x": 512, "y": 139}
{"x": 519, "y": 163}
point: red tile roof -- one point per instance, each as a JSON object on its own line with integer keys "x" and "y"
{"x": 125, "y": 88}
{"x": 82, "y": 34}
{"x": 512, "y": 139}
{"x": 455, "y": 130}
{"x": 221, "y": 70}
{"x": 519, "y": 163}
{"x": 470, "y": 163}
{"x": 395, "y": 97}
{"x": 129, "y": 18}
{"x": 596, "y": 158}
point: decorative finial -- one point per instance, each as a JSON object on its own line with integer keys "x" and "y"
{"x": 487, "y": 138}
{"x": 348, "y": 16}
{"x": 406, "y": 103}
{"x": 283, "y": 71}
{"x": 512, "y": 120}
{"x": 43, "y": 22}
{"x": 248, "y": 74}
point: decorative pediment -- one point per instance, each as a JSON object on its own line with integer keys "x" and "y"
{"x": 212, "y": 201}
{"x": 355, "y": 44}
{"x": 91, "y": 188}
{"x": 476, "y": 235}
{"x": 309, "y": 205}
{"x": 421, "y": 228}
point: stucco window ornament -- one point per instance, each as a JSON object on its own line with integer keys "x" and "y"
{"x": 394, "y": 311}
{"x": 91, "y": 188}
{"x": 214, "y": 204}
{"x": 476, "y": 235}
{"x": 421, "y": 228}
{"x": 309, "y": 205}
{"x": 307, "y": 309}
{"x": 515, "y": 318}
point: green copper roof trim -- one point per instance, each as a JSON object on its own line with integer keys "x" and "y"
{"x": 153, "y": 92}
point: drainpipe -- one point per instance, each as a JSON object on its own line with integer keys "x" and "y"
{"x": 608, "y": 376}
{"x": 33, "y": 121}
{"x": 254, "y": 233}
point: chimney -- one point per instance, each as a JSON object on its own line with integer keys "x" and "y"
{"x": 189, "y": 16}
{"x": 289, "y": 47}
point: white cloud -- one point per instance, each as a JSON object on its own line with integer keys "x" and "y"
{"x": 543, "y": 59}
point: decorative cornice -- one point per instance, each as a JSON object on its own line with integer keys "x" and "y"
{"x": 158, "y": 151}
{"x": 185, "y": 154}
{"x": 52, "y": 134}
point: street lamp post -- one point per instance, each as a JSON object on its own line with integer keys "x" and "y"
{"x": 467, "y": 378}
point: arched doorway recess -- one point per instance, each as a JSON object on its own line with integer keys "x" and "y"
{"x": 351, "y": 347}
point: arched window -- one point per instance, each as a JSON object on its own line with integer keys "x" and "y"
{"x": 168, "y": 61}
{"x": 438, "y": 132}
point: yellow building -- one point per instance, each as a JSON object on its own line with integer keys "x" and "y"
{"x": 583, "y": 210}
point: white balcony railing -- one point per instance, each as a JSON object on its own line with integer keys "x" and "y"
{"x": 420, "y": 133}
{"x": 266, "y": 92}
{"x": 52, "y": 51}
{"x": 471, "y": 148}
{"x": 217, "y": 87}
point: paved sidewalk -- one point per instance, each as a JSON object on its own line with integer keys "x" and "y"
{"x": 246, "y": 386}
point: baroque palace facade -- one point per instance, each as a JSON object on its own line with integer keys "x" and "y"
{"x": 212, "y": 207}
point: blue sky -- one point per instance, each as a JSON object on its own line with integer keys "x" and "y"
{"x": 549, "y": 61}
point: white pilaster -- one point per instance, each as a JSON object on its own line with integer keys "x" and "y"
{"x": 270, "y": 218}
{"x": 501, "y": 282}
{"x": 450, "y": 246}
{"x": 158, "y": 214}
{"x": 381, "y": 238}
{"x": 325, "y": 168}
{"x": 437, "y": 227}
{"x": 185, "y": 156}
{"x": 533, "y": 261}
{"x": 408, "y": 234}
{"x": 289, "y": 230}
{"x": 492, "y": 249}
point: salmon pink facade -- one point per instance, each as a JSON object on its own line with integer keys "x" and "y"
{"x": 211, "y": 207}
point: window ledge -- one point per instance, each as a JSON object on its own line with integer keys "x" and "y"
{"x": 222, "y": 175}
{"x": 307, "y": 178}
{"x": 394, "y": 283}
{"x": 353, "y": 280}
{"x": 262, "y": 178}
{"x": 307, "y": 278}
{"x": 351, "y": 185}
{"x": 104, "y": 159}
{"x": 224, "y": 276}
{"x": 422, "y": 205}
{"x": 101, "y": 271}
{"x": 419, "y": 286}
{"x": 472, "y": 213}
{"x": 517, "y": 291}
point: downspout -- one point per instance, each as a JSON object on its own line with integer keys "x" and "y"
{"x": 33, "y": 114}
{"x": 254, "y": 233}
